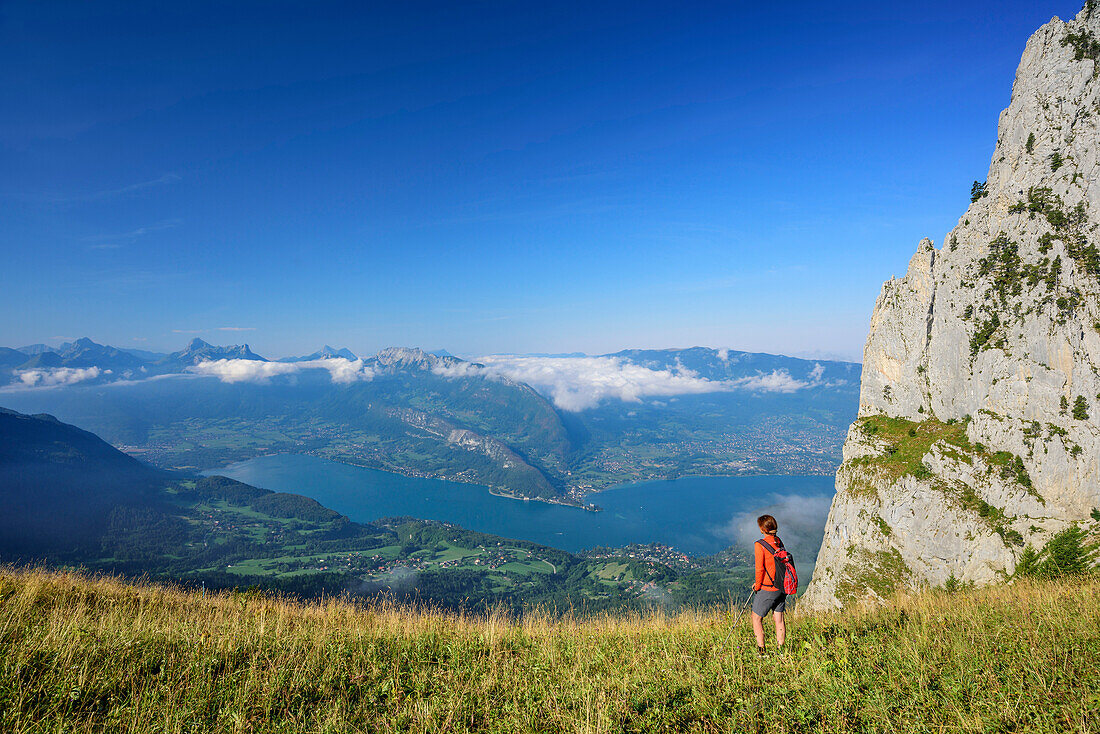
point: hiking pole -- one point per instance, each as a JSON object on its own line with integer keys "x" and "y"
{"x": 740, "y": 614}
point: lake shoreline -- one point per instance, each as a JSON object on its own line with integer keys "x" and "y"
{"x": 459, "y": 480}
{"x": 699, "y": 515}
{"x": 590, "y": 507}
{"x": 707, "y": 476}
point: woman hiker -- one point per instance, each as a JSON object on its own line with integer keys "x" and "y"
{"x": 769, "y": 590}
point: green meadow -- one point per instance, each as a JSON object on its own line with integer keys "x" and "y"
{"x": 95, "y": 654}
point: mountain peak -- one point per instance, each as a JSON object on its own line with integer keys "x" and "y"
{"x": 412, "y": 358}
{"x": 330, "y": 352}
{"x": 199, "y": 351}
{"x": 325, "y": 352}
{"x": 975, "y": 356}
{"x": 403, "y": 354}
{"x": 32, "y": 350}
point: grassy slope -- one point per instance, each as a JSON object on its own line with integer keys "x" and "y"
{"x": 88, "y": 655}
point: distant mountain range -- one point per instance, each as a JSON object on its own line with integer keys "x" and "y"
{"x": 325, "y": 352}
{"x": 113, "y": 363}
{"x": 199, "y": 351}
{"x": 550, "y": 428}
{"x": 32, "y": 350}
{"x": 82, "y": 354}
{"x": 724, "y": 364}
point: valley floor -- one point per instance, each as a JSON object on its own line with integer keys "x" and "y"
{"x": 95, "y": 654}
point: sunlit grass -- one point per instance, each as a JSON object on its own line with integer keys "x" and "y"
{"x": 96, "y": 654}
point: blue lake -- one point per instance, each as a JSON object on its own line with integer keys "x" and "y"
{"x": 699, "y": 515}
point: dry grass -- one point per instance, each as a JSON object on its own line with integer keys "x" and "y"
{"x": 95, "y": 654}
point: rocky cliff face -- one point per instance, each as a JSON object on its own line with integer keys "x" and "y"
{"x": 979, "y": 420}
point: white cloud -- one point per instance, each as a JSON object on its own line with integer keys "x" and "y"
{"x": 242, "y": 370}
{"x": 165, "y": 179}
{"x": 110, "y": 241}
{"x": 111, "y": 193}
{"x": 774, "y": 381}
{"x": 54, "y": 376}
{"x": 342, "y": 371}
{"x": 801, "y": 521}
{"x": 580, "y": 383}
{"x": 797, "y": 515}
{"x": 141, "y": 380}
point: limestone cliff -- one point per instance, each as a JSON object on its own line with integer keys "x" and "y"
{"x": 979, "y": 419}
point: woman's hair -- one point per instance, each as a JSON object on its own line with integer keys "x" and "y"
{"x": 767, "y": 523}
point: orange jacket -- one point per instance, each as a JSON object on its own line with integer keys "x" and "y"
{"x": 765, "y": 565}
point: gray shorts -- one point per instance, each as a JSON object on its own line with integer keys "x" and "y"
{"x": 768, "y": 601}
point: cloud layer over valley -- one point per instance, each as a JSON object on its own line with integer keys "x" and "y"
{"x": 58, "y": 376}
{"x": 342, "y": 371}
{"x": 573, "y": 383}
{"x": 581, "y": 383}
{"x": 801, "y": 521}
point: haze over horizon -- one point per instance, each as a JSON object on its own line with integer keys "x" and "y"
{"x": 508, "y": 179}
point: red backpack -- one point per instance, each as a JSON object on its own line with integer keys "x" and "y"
{"x": 786, "y": 578}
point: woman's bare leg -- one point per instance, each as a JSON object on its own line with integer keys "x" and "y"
{"x": 758, "y": 629}
{"x": 780, "y": 629}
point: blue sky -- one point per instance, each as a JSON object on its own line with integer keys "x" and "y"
{"x": 485, "y": 177}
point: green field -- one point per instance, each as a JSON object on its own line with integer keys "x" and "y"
{"x": 93, "y": 654}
